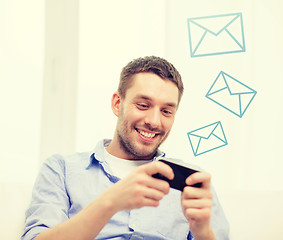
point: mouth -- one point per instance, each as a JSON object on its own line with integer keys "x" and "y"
{"x": 147, "y": 136}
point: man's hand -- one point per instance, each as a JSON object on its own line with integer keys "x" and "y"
{"x": 136, "y": 190}
{"x": 139, "y": 188}
{"x": 197, "y": 204}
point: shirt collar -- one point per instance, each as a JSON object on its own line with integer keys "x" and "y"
{"x": 98, "y": 156}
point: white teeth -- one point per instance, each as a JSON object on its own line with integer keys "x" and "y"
{"x": 146, "y": 134}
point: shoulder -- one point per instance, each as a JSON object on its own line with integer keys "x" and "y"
{"x": 59, "y": 162}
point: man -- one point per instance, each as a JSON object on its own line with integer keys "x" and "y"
{"x": 110, "y": 193}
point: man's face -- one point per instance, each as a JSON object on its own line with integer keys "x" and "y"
{"x": 146, "y": 115}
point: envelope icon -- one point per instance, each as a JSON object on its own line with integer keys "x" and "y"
{"x": 207, "y": 138}
{"x": 213, "y": 35}
{"x": 231, "y": 94}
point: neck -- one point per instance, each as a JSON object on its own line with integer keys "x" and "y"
{"x": 115, "y": 149}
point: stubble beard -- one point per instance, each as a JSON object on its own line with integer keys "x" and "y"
{"x": 129, "y": 148}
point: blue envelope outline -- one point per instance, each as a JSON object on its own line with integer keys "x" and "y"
{"x": 229, "y": 87}
{"x": 211, "y": 29}
{"x": 207, "y": 138}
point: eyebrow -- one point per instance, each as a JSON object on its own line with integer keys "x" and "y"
{"x": 144, "y": 97}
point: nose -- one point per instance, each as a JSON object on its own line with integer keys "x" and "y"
{"x": 153, "y": 118}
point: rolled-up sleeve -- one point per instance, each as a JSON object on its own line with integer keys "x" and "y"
{"x": 50, "y": 201}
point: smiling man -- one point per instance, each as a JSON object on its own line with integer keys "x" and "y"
{"x": 145, "y": 116}
{"x": 110, "y": 192}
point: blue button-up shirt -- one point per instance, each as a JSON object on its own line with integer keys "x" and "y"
{"x": 66, "y": 185}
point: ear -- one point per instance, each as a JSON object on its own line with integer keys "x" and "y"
{"x": 115, "y": 103}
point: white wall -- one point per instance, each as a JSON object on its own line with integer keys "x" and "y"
{"x": 112, "y": 33}
{"x": 21, "y": 75}
{"x": 254, "y": 140}
{"x": 246, "y": 172}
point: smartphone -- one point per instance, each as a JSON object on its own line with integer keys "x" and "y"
{"x": 180, "y": 175}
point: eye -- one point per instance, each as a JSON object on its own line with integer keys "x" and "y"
{"x": 167, "y": 112}
{"x": 142, "y": 106}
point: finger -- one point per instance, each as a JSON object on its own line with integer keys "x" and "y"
{"x": 145, "y": 180}
{"x": 143, "y": 196}
{"x": 148, "y": 202}
{"x": 199, "y": 177}
{"x": 144, "y": 201}
{"x": 197, "y": 203}
{"x": 159, "y": 167}
{"x": 198, "y": 214}
{"x": 158, "y": 184}
{"x": 196, "y": 193}
{"x": 154, "y": 194}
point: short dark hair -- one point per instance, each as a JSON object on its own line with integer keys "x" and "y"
{"x": 153, "y": 64}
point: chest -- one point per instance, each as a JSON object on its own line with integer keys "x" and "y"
{"x": 163, "y": 222}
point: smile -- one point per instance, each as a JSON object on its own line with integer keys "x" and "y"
{"x": 146, "y": 134}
